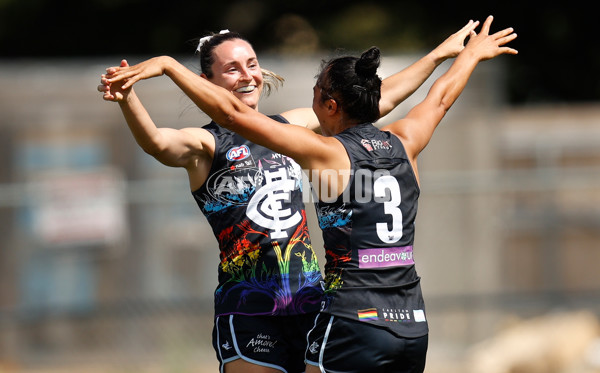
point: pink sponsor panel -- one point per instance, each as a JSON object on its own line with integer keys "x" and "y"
{"x": 385, "y": 257}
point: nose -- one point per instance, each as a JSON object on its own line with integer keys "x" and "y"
{"x": 245, "y": 74}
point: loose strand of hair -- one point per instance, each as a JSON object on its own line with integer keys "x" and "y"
{"x": 271, "y": 81}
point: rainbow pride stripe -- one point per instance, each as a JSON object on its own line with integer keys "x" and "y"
{"x": 369, "y": 314}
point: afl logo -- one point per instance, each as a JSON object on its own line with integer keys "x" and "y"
{"x": 238, "y": 153}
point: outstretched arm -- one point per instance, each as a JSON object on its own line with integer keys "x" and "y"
{"x": 398, "y": 87}
{"x": 401, "y": 85}
{"x": 224, "y": 108}
{"x": 416, "y": 129}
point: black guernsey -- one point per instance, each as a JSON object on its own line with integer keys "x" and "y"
{"x": 368, "y": 234}
{"x": 253, "y": 202}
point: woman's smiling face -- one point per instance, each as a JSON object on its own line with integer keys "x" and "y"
{"x": 236, "y": 69}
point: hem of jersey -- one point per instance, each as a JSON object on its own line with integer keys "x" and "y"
{"x": 243, "y": 314}
{"x": 316, "y": 310}
{"x": 245, "y": 358}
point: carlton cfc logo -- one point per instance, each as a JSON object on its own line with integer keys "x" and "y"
{"x": 238, "y": 153}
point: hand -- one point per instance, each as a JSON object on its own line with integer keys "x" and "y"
{"x": 455, "y": 43}
{"x": 113, "y": 91}
{"x": 485, "y": 46}
{"x": 131, "y": 74}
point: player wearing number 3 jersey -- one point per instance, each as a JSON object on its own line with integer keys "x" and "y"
{"x": 368, "y": 233}
{"x": 372, "y": 296}
{"x": 372, "y": 318}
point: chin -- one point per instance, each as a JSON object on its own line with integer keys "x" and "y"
{"x": 250, "y": 101}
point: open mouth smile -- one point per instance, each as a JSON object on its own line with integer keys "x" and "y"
{"x": 246, "y": 89}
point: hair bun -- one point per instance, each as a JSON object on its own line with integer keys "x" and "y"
{"x": 368, "y": 63}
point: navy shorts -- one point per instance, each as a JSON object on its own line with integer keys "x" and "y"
{"x": 338, "y": 344}
{"x": 272, "y": 341}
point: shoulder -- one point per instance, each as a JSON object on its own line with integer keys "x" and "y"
{"x": 303, "y": 117}
{"x": 201, "y": 138}
{"x": 212, "y": 127}
{"x": 198, "y": 131}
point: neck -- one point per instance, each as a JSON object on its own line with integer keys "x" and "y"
{"x": 344, "y": 123}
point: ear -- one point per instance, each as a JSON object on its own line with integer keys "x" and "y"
{"x": 332, "y": 106}
{"x": 204, "y": 76}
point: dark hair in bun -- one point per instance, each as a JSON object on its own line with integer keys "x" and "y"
{"x": 368, "y": 63}
{"x": 354, "y": 84}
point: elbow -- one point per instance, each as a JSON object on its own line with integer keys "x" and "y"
{"x": 232, "y": 120}
{"x": 228, "y": 121}
{"x": 153, "y": 146}
{"x": 152, "y": 149}
{"x": 233, "y": 114}
{"x": 445, "y": 105}
{"x": 448, "y": 99}
{"x": 385, "y": 108}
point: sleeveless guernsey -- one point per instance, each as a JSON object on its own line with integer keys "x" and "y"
{"x": 368, "y": 233}
{"x": 253, "y": 201}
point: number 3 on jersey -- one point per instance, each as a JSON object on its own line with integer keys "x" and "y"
{"x": 391, "y": 206}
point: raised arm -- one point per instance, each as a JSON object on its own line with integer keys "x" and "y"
{"x": 185, "y": 148}
{"x": 416, "y": 129}
{"x": 399, "y": 86}
{"x": 306, "y": 147}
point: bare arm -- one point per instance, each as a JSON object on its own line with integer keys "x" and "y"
{"x": 401, "y": 85}
{"x": 398, "y": 87}
{"x": 172, "y": 147}
{"x": 306, "y": 147}
{"x": 416, "y": 129}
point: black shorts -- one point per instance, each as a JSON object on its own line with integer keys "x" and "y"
{"x": 272, "y": 341}
{"x": 338, "y": 344}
